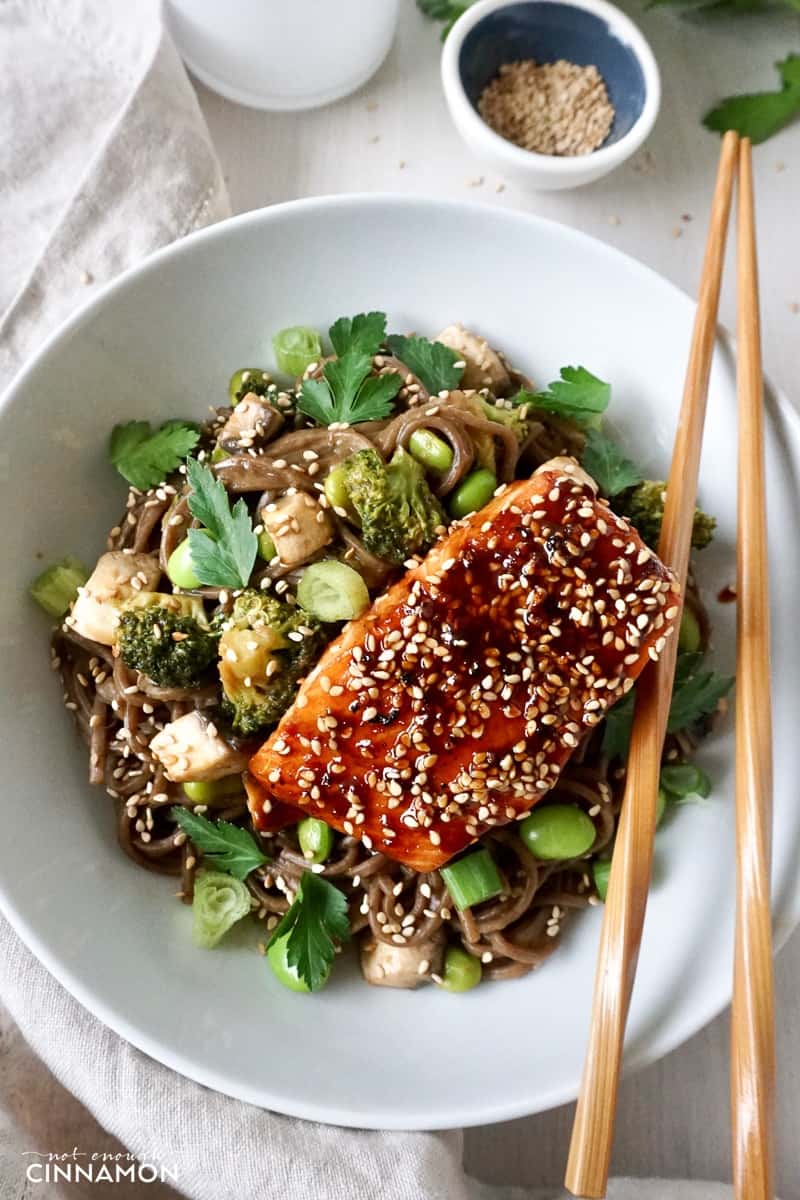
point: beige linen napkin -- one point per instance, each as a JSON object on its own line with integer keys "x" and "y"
{"x": 104, "y": 158}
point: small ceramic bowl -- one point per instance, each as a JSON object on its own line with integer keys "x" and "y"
{"x": 493, "y": 32}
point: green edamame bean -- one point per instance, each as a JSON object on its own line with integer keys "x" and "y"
{"x": 315, "y": 838}
{"x": 277, "y": 956}
{"x": 266, "y": 547}
{"x": 204, "y": 791}
{"x": 180, "y": 567}
{"x": 472, "y": 493}
{"x": 461, "y": 971}
{"x": 601, "y": 870}
{"x": 556, "y": 831}
{"x": 689, "y": 636}
{"x": 430, "y": 450}
{"x": 685, "y": 779}
{"x": 336, "y": 488}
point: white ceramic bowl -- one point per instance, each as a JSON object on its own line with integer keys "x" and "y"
{"x": 586, "y": 32}
{"x": 162, "y": 341}
{"x": 282, "y": 54}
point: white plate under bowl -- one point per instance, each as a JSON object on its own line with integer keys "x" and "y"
{"x": 161, "y": 342}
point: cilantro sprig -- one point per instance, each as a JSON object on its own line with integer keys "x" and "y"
{"x": 145, "y": 456}
{"x": 578, "y": 396}
{"x": 696, "y": 692}
{"x": 432, "y": 362}
{"x": 228, "y": 847}
{"x": 224, "y": 552}
{"x": 760, "y": 114}
{"x": 365, "y": 332}
{"x": 444, "y": 10}
{"x": 316, "y": 921}
{"x": 607, "y": 465}
{"x": 348, "y": 392}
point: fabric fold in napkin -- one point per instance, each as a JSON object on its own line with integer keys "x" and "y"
{"x": 106, "y": 158}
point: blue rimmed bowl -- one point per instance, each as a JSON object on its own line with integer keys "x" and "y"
{"x": 587, "y": 32}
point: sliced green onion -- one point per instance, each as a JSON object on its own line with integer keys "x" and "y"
{"x": 685, "y": 779}
{"x": 296, "y": 347}
{"x": 690, "y": 637}
{"x": 336, "y": 488}
{"x": 430, "y": 450}
{"x": 601, "y": 870}
{"x": 205, "y": 791}
{"x": 278, "y": 959}
{"x": 315, "y": 838}
{"x": 56, "y": 588}
{"x": 332, "y": 591}
{"x": 472, "y": 493}
{"x": 556, "y": 831}
{"x": 461, "y": 971}
{"x": 218, "y": 454}
{"x": 238, "y": 389}
{"x": 219, "y": 902}
{"x": 180, "y": 567}
{"x": 472, "y": 879}
{"x": 266, "y": 547}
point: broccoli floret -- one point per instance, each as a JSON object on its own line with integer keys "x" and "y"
{"x": 515, "y": 418}
{"x": 643, "y": 505}
{"x": 169, "y": 647}
{"x": 398, "y": 512}
{"x": 260, "y": 664}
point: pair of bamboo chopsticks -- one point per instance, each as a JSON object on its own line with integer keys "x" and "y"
{"x": 752, "y": 1073}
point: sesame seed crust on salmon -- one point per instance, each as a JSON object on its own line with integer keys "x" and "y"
{"x": 452, "y": 704}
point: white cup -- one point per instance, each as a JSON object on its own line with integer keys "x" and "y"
{"x": 282, "y": 54}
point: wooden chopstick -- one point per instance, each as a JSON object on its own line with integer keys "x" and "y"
{"x": 593, "y": 1128}
{"x": 752, "y": 1024}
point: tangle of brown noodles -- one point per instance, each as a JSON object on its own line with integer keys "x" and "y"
{"x": 117, "y": 712}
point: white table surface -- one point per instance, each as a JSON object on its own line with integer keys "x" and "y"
{"x": 395, "y": 135}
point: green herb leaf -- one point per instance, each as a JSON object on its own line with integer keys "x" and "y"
{"x": 444, "y": 10}
{"x": 364, "y": 333}
{"x": 228, "y": 847}
{"x": 761, "y": 114}
{"x": 696, "y": 693}
{"x": 144, "y": 457}
{"x": 578, "y": 395}
{"x": 348, "y": 392}
{"x": 617, "y": 729}
{"x": 607, "y": 465}
{"x": 223, "y": 553}
{"x": 432, "y": 362}
{"x": 317, "y": 917}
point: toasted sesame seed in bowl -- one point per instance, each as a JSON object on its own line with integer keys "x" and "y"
{"x": 551, "y": 93}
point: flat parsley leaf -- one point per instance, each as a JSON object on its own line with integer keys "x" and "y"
{"x": 228, "y": 847}
{"x": 578, "y": 395}
{"x": 444, "y": 10}
{"x": 348, "y": 392}
{"x": 696, "y": 693}
{"x": 317, "y": 917}
{"x": 617, "y": 729}
{"x": 223, "y": 553}
{"x": 366, "y": 333}
{"x": 607, "y": 465}
{"x": 761, "y": 114}
{"x": 145, "y": 457}
{"x": 432, "y": 362}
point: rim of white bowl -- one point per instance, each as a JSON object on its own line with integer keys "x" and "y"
{"x": 786, "y": 906}
{"x": 603, "y": 159}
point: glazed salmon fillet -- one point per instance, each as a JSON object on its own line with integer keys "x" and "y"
{"x": 452, "y": 705}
